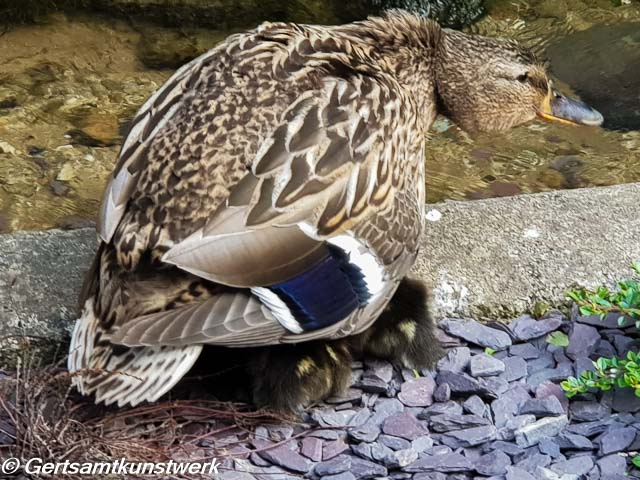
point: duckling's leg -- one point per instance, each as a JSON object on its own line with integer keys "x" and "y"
{"x": 289, "y": 377}
{"x": 405, "y": 332}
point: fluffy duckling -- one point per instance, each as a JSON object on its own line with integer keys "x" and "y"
{"x": 272, "y": 194}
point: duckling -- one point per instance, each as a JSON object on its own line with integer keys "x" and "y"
{"x": 271, "y": 194}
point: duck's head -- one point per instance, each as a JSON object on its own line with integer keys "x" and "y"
{"x": 487, "y": 84}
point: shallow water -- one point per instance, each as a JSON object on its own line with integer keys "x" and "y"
{"x": 69, "y": 84}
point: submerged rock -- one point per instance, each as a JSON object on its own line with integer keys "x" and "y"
{"x": 450, "y": 13}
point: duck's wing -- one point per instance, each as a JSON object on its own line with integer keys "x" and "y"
{"x": 331, "y": 164}
{"x": 327, "y": 169}
{"x": 150, "y": 119}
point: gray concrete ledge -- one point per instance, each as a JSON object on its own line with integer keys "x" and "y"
{"x": 491, "y": 259}
{"x": 497, "y": 258}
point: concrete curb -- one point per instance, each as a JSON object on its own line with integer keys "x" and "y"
{"x": 497, "y": 258}
{"x": 487, "y": 259}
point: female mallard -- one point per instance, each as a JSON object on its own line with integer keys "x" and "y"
{"x": 272, "y": 192}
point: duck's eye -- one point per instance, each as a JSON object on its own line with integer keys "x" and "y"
{"x": 523, "y": 77}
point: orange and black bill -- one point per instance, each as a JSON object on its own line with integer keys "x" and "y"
{"x": 568, "y": 110}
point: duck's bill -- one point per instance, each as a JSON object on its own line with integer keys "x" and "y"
{"x": 559, "y": 108}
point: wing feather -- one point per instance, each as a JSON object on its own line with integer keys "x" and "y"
{"x": 152, "y": 116}
{"x": 234, "y": 317}
{"x": 317, "y": 173}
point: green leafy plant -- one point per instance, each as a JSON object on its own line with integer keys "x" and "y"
{"x": 489, "y": 351}
{"x": 625, "y": 300}
{"x": 610, "y": 372}
{"x": 558, "y": 339}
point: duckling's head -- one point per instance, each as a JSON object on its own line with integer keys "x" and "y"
{"x": 487, "y": 84}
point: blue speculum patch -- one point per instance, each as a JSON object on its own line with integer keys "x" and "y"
{"x": 326, "y": 293}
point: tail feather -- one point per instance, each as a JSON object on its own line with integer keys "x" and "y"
{"x": 123, "y": 375}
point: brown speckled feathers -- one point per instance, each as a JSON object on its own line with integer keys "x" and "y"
{"x": 234, "y": 176}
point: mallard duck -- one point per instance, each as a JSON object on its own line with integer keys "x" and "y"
{"x": 272, "y": 194}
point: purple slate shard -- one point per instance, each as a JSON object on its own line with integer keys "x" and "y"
{"x": 526, "y": 327}
{"x": 525, "y": 351}
{"x": 312, "y": 448}
{"x": 476, "y": 333}
{"x": 456, "y": 360}
{"x": 530, "y": 435}
{"x": 583, "y": 340}
{"x": 461, "y": 383}
{"x": 582, "y": 411}
{"x": 484, "y": 365}
{"x": 446, "y": 463}
{"x": 515, "y": 369}
{"x": 514, "y": 473}
{"x": 616, "y": 441}
{"x": 493, "y": 463}
{"x": 442, "y": 393}
{"x": 282, "y": 456}
{"x": 448, "y": 422}
{"x": 418, "y": 392}
{"x": 475, "y": 406}
{"x": 543, "y": 407}
{"x": 405, "y": 426}
{"x": 574, "y": 466}
{"x": 450, "y": 407}
{"x": 469, "y": 437}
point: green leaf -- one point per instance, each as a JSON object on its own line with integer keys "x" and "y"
{"x": 558, "y": 339}
{"x": 489, "y": 351}
{"x": 586, "y": 310}
{"x": 636, "y": 461}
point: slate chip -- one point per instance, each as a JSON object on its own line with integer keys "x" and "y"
{"x": 612, "y": 465}
{"x": 549, "y": 446}
{"x": 576, "y": 466}
{"x": 339, "y": 464}
{"x": 515, "y": 369}
{"x": 282, "y": 456}
{"x": 456, "y": 360}
{"x": 445, "y": 463}
{"x": 525, "y": 351}
{"x": 417, "y": 392}
{"x": 401, "y": 458}
{"x": 340, "y": 476}
{"x": 542, "y": 407}
{"x": 442, "y": 393}
{"x": 484, "y": 365}
{"x": 493, "y": 463}
{"x": 583, "y": 340}
{"x": 394, "y": 443}
{"x": 448, "y": 422}
{"x": 514, "y": 473}
{"x": 476, "y": 333}
{"x": 546, "y": 427}
{"x": 572, "y": 441}
{"x": 404, "y": 425}
{"x": 470, "y": 437}
{"x": 333, "y": 449}
{"x": 527, "y": 327}
{"x": 532, "y": 461}
{"x": 588, "y": 411}
{"x": 475, "y": 406}
{"x": 312, "y": 448}
{"x": 616, "y": 440}
{"x": 461, "y": 383}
